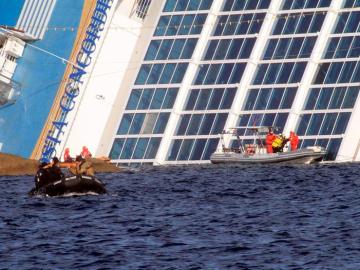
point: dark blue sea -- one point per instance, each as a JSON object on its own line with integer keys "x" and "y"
{"x": 195, "y": 217}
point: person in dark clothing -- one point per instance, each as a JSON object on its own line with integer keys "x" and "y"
{"x": 54, "y": 169}
{"x": 48, "y": 173}
{"x": 42, "y": 175}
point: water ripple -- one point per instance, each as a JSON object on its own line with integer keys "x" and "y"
{"x": 195, "y": 217}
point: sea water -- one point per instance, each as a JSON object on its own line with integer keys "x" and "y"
{"x": 191, "y": 217}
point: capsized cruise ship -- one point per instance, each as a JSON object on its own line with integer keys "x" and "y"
{"x": 157, "y": 81}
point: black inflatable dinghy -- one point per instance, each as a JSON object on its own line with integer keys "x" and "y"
{"x": 80, "y": 184}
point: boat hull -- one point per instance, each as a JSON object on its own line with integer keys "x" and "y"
{"x": 71, "y": 185}
{"x": 301, "y": 156}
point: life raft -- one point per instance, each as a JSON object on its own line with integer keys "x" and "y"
{"x": 77, "y": 185}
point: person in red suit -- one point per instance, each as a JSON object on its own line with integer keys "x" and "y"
{"x": 294, "y": 141}
{"x": 67, "y": 157}
{"x": 85, "y": 153}
{"x": 270, "y": 137}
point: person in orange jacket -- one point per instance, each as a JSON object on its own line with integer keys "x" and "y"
{"x": 294, "y": 141}
{"x": 270, "y": 137}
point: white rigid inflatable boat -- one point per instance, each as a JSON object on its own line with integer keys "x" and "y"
{"x": 255, "y": 153}
{"x": 301, "y": 156}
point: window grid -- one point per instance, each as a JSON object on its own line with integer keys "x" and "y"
{"x": 298, "y": 23}
{"x": 186, "y": 5}
{"x": 307, "y": 4}
{"x": 188, "y": 149}
{"x": 125, "y": 148}
{"x": 339, "y": 47}
{"x": 239, "y": 24}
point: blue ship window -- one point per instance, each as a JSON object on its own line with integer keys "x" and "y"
{"x": 189, "y": 48}
{"x": 211, "y": 49}
{"x": 207, "y": 124}
{"x": 212, "y": 74}
{"x": 224, "y": 73}
{"x": 161, "y": 27}
{"x": 128, "y": 148}
{"x": 351, "y": 3}
{"x": 170, "y": 98}
{"x": 201, "y": 73}
{"x": 140, "y": 148}
{"x": 237, "y": 73}
{"x": 275, "y": 99}
{"x": 164, "y": 49}
{"x": 247, "y": 48}
{"x": 137, "y": 123}
{"x": 186, "y": 24}
{"x": 194, "y": 124}
{"x": 350, "y": 97}
{"x": 231, "y": 25}
{"x": 155, "y": 74}
{"x": 210, "y": 148}
{"x": 268, "y": 119}
{"x": 185, "y": 150}
{"x": 346, "y": 72}
{"x": 263, "y": 98}
{"x": 161, "y": 123}
{"x": 337, "y": 98}
{"x": 198, "y": 24}
{"x": 215, "y": 99}
{"x": 179, "y": 73}
{"x": 251, "y": 99}
{"x": 222, "y": 49}
{"x": 302, "y": 4}
{"x": 197, "y": 152}
{"x": 116, "y": 148}
{"x": 152, "y": 50}
{"x": 288, "y": 98}
{"x": 219, "y": 123}
{"x": 307, "y": 47}
{"x": 134, "y": 99}
{"x": 228, "y": 98}
{"x": 321, "y": 73}
{"x": 192, "y": 97}
{"x": 235, "y": 48}
{"x": 187, "y": 5}
{"x": 315, "y": 124}
{"x": 341, "y": 123}
{"x": 324, "y": 98}
{"x": 145, "y": 99}
{"x": 181, "y": 5}
{"x": 167, "y": 73}
{"x": 333, "y": 149}
{"x": 177, "y": 49}
{"x": 125, "y": 123}
{"x": 174, "y": 149}
{"x": 143, "y": 74}
{"x": 205, "y": 4}
{"x": 261, "y": 71}
{"x": 158, "y": 98}
{"x": 328, "y": 124}
{"x": 303, "y": 123}
{"x": 173, "y": 25}
{"x": 170, "y": 5}
{"x": 183, "y": 123}
{"x": 152, "y": 148}
{"x": 280, "y": 121}
{"x": 294, "y": 49}
{"x": 203, "y": 99}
